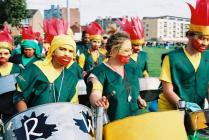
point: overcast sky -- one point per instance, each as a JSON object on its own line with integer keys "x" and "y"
{"x": 91, "y": 9}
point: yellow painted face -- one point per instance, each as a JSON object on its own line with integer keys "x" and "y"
{"x": 96, "y": 43}
{"x": 126, "y": 48}
{"x": 4, "y": 55}
{"x": 64, "y": 50}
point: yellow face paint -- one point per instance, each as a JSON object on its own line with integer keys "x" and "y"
{"x": 64, "y": 50}
{"x": 4, "y": 55}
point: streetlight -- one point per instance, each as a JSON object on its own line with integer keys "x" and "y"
{"x": 68, "y": 11}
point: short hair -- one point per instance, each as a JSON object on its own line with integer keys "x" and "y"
{"x": 116, "y": 40}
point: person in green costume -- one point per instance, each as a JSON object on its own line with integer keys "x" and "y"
{"x": 7, "y": 108}
{"x": 185, "y": 71}
{"x": 83, "y": 45}
{"x": 30, "y": 52}
{"x": 134, "y": 27}
{"x": 115, "y": 84}
{"x": 92, "y": 57}
{"x": 52, "y": 80}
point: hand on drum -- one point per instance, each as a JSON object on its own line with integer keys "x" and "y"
{"x": 141, "y": 102}
{"x": 102, "y": 102}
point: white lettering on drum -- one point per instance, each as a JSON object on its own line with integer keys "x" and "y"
{"x": 89, "y": 127}
{"x": 31, "y": 131}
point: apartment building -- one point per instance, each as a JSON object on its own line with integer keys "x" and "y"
{"x": 166, "y": 28}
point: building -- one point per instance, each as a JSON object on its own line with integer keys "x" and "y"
{"x": 74, "y": 18}
{"x": 57, "y": 12}
{"x": 166, "y": 28}
{"x": 34, "y": 19}
{"x": 53, "y": 12}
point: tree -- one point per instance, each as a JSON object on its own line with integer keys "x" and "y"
{"x": 12, "y": 11}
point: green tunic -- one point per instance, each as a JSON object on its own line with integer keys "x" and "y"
{"x": 82, "y": 48}
{"x": 191, "y": 86}
{"x": 140, "y": 64}
{"x": 89, "y": 62}
{"x": 119, "y": 107}
{"x": 38, "y": 90}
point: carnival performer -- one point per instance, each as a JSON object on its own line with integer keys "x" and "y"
{"x": 92, "y": 57}
{"x": 185, "y": 71}
{"x": 54, "y": 79}
{"x": 30, "y": 50}
{"x": 7, "y": 108}
{"x": 84, "y": 44}
{"x": 139, "y": 58}
{"x": 115, "y": 84}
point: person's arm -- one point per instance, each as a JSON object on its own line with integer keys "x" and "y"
{"x": 141, "y": 102}
{"x": 21, "y": 106}
{"x": 166, "y": 80}
{"x": 96, "y": 98}
{"x": 169, "y": 94}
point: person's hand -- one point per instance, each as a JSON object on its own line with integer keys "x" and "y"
{"x": 84, "y": 73}
{"x": 102, "y": 102}
{"x": 141, "y": 102}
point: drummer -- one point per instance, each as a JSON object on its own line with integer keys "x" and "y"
{"x": 7, "y": 108}
{"x": 139, "y": 58}
{"x": 54, "y": 79}
{"x": 115, "y": 84}
{"x": 185, "y": 71}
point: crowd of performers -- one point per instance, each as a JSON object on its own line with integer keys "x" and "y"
{"x": 111, "y": 63}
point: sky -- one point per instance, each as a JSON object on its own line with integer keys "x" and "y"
{"x": 92, "y": 9}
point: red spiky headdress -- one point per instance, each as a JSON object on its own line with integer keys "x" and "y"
{"x": 28, "y": 34}
{"x": 54, "y": 27}
{"x": 95, "y": 31}
{"x": 200, "y": 17}
{"x": 6, "y": 39}
{"x": 134, "y": 28}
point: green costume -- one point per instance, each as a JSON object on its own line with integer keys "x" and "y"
{"x": 141, "y": 63}
{"x": 38, "y": 90}
{"x": 21, "y": 59}
{"x": 191, "y": 86}
{"x": 89, "y": 63}
{"x": 119, "y": 107}
{"x": 82, "y": 48}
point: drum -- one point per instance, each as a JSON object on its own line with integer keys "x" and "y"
{"x": 54, "y": 121}
{"x": 149, "y": 88}
{"x": 8, "y": 87}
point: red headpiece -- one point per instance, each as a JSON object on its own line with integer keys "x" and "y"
{"x": 95, "y": 31}
{"x": 134, "y": 28}
{"x": 6, "y": 38}
{"x": 28, "y": 34}
{"x": 200, "y": 17}
{"x": 54, "y": 27}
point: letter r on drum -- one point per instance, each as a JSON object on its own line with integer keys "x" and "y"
{"x": 31, "y": 131}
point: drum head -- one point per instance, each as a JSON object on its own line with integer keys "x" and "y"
{"x": 149, "y": 88}
{"x": 54, "y": 121}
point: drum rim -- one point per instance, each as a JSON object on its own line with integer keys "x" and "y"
{"x": 30, "y": 108}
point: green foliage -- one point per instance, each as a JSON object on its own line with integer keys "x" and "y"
{"x": 12, "y": 11}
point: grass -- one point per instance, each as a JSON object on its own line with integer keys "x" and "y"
{"x": 154, "y": 62}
